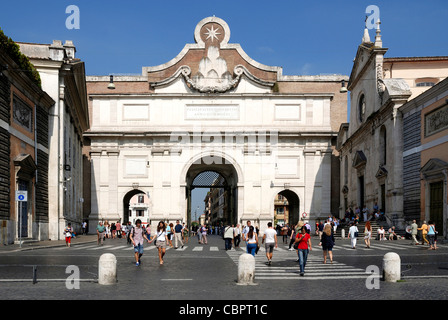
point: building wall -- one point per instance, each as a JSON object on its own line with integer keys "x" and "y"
{"x": 439, "y": 151}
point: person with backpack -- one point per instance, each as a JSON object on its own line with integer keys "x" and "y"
{"x": 136, "y": 235}
{"x": 228, "y": 237}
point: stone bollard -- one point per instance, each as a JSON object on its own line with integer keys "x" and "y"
{"x": 391, "y": 267}
{"x": 246, "y": 269}
{"x": 343, "y": 233}
{"x": 107, "y": 269}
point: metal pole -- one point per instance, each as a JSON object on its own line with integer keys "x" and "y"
{"x": 34, "y": 274}
{"x": 20, "y": 224}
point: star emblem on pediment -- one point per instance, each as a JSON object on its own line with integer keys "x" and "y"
{"x": 212, "y": 33}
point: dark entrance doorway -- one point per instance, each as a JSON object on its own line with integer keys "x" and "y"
{"x": 287, "y": 203}
{"x": 126, "y": 204}
{"x": 23, "y": 211}
{"x": 436, "y": 204}
{"x": 218, "y": 183}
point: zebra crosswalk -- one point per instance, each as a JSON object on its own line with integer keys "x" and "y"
{"x": 315, "y": 269}
{"x": 282, "y": 249}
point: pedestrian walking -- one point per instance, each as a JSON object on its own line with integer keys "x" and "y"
{"x": 178, "y": 235}
{"x": 414, "y": 232}
{"x": 137, "y": 235}
{"x": 204, "y": 234}
{"x": 303, "y": 246}
{"x": 84, "y": 227}
{"x": 236, "y": 236}
{"x": 185, "y": 233}
{"x": 285, "y": 233}
{"x": 270, "y": 238}
{"x": 68, "y": 235}
{"x": 107, "y": 225}
{"x": 353, "y": 234}
{"x": 292, "y": 238}
{"x": 431, "y": 235}
{"x": 424, "y": 229}
{"x": 246, "y": 230}
{"x": 320, "y": 229}
{"x": 327, "y": 242}
{"x": 160, "y": 239}
{"x": 367, "y": 234}
{"x": 228, "y": 237}
{"x": 128, "y": 232}
{"x": 118, "y": 229}
{"x": 169, "y": 234}
{"x": 100, "y": 230}
{"x": 251, "y": 241}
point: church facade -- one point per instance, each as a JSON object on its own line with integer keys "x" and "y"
{"x": 212, "y": 116}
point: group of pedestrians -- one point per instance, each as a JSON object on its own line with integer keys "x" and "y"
{"x": 429, "y": 234}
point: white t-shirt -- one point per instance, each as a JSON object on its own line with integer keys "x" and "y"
{"x": 228, "y": 233}
{"x": 161, "y": 236}
{"x": 270, "y": 235}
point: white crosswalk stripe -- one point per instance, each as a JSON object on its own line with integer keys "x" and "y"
{"x": 198, "y": 248}
{"x": 100, "y": 247}
{"x": 314, "y": 270}
{"x": 119, "y": 247}
{"x": 81, "y": 247}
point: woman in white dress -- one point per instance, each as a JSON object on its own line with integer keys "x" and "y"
{"x": 367, "y": 234}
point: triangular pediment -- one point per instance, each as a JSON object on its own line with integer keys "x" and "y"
{"x": 381, "y": 173}
{"x": 366, "y": 52}
{"x": 434, "y": 165}
{"x": 359, "y": 160}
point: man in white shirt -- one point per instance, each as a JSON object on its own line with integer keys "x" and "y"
{"x": 270, "y": 238}
{"x": 246, "y": 231}
{"x": 236, "y": 236}
{"x": 228, "y": 237}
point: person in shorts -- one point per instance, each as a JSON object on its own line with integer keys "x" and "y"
{"x": 136, "y": 235}
{"x": 161, "y": 239}
{"x": 270, "y": 240}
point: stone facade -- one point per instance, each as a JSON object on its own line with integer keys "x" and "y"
{"x": 23, "y": 154}
{"x": 371, "y": 145}
{"x": 425, "y": 157}
{"x": 214, "y": 108}
{"x": 63, "y": 78}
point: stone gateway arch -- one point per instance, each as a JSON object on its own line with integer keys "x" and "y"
{"x": 213, "y": 108}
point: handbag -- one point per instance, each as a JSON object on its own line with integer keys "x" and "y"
{"x": 356, "y": 233}
{"x": 258, "y": 248}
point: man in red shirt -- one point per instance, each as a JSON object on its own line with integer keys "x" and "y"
{"x": 303, "y": 246}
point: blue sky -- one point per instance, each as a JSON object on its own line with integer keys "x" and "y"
{"x": 303, "y": 37}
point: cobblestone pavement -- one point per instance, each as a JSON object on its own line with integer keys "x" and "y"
{"x": 206, "y": 272}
